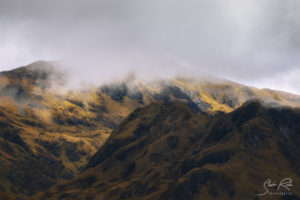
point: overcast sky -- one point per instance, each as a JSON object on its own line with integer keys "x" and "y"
{"x": 256, "y": 42}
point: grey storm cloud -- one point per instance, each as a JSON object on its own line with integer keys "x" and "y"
{"x": 256, "y": 42}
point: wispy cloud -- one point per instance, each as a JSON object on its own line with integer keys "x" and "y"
{"x": 247, "y": 41}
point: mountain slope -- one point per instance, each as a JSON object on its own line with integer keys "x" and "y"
{"x": 166, "y": 151}
{"x": 44, "y": 136}
{"x": 49, "y": 133}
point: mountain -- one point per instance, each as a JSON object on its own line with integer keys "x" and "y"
{"x": 166, "y": 151}
{"x": 48, "y": 133}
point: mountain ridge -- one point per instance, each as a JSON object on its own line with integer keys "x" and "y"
{"x": 63, "y": 130}
{"x": 166, "y": 151}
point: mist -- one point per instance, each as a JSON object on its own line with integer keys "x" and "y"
{"x": 255, "y": 42}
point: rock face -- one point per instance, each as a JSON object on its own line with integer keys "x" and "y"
{"x": 166, "y": 151}
{"x": 48, "y": 134}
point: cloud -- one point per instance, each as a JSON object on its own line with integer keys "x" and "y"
{"x": 248, "y": 41}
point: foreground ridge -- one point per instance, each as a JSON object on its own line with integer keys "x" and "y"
{"x": 166, "y": 151}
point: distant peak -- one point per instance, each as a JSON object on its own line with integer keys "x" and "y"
{"x": 40, "y": 64}
{"x": 39, "y": 73}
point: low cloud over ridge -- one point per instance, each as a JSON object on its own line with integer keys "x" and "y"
{"x": 253, "y": 42}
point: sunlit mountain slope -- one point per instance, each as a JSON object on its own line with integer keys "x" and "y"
{"x": 166, "y": 151}
{"x": 48, "y": 133}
